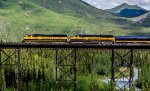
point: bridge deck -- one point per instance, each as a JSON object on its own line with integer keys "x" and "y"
{"x": 80, "y": 46}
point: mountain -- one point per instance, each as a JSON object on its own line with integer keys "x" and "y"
{"x": 131, "y": 12}
{"x": 123, "y": 6}
{"x": 125, "y": 10}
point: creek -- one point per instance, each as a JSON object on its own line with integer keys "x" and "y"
{"x": 123, "y": 82}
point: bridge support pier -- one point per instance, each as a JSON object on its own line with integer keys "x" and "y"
{"x": 122, "y": 69}
{"x": 11, "y": 66}
{"x": 65, "y": 69}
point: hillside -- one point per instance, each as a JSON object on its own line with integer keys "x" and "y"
{"x": 40, "y": 20}
{"x": 76, "y": 8}
{"x": 142, "y": 20}
{"x": 145, "y": 22}
{"x": 63, "y": 17}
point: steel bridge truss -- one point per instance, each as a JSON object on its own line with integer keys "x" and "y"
{"x": 9, "y": 62}
{"x": 65, "y": 69}
{"x": 122, "y": 69}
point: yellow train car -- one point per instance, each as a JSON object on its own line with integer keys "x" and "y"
{"x": 92, "y": 39}
{"x": 45, "y": 38}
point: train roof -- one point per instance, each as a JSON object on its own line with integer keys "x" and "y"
{"x": 129, "y": 37}
{"x": 95, "y": 35}
{"x": 50, "y": 35}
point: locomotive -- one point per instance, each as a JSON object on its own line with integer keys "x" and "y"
{"x": 83, "y": 39}
{"x": 45, "y": 38}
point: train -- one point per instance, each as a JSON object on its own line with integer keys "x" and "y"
{"x": 85, "y": 39}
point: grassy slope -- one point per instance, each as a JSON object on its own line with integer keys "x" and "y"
{"x": 75, "y": 8}
{"x": 40, "y": 20}
{"x": 49, "y": 20}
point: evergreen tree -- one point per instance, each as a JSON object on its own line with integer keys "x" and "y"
{"x": 2, "y": 80}
{"x": 39, "y": 75}
{"x": 34, "y": 74}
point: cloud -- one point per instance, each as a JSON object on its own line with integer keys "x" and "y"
{"x": 107, "y": 4}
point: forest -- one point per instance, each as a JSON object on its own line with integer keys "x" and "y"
{"x": 38, "y": 69}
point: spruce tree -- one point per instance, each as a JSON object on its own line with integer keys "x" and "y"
{"x": 2, "y": 80}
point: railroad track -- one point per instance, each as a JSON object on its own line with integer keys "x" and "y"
{"x": 69, "y": 45}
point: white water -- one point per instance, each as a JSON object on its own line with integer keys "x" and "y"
{"x": 123, "y": 82}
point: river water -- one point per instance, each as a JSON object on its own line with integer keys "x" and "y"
{"x": 123, "y": 82}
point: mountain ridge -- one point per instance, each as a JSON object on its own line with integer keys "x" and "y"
{"x": 131, "y": 12}
{"x": 123, "y": 6}
{"x": 128, "y": 11}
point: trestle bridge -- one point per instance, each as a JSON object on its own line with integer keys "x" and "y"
{"x": 72, "y": 51}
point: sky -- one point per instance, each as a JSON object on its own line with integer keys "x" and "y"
{"x": 108, "y": 4}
